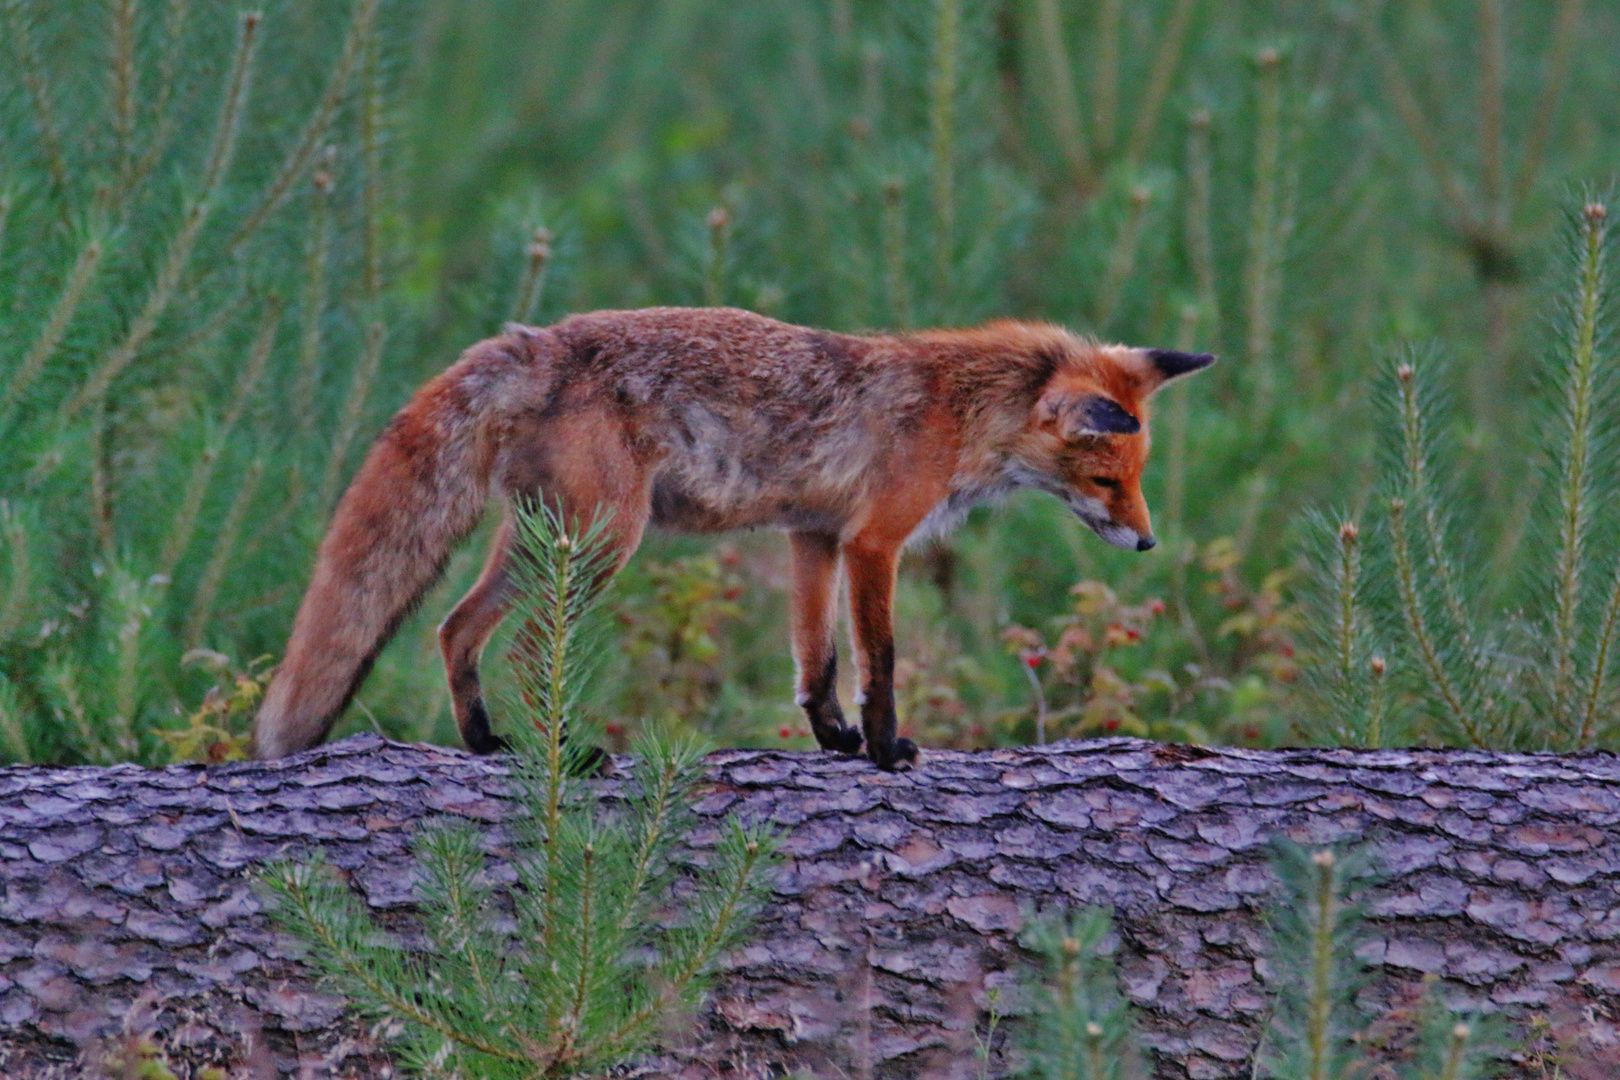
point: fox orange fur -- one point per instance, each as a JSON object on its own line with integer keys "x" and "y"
{"x": 705, "y": 420}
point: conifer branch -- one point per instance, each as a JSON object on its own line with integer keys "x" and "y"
{"x": 1122, "y": 257}
{"x": 660, "y": 804}
{"x": 555, "y": 679}
{"x": 1608, "y": 635}
{"x": 55, "y": 328}
{"x": 451, "y": 858}
{"x": 338, "y": 953}
{"x": 39, "y": 92}
{"x": 1455, "y": 1049}
{"x": 13, "y": 732}
{"x": 125, "y": 79}
{"x": 533, "y": 284}
{"x": 376, "y": 329}
{"x": 354, "y": 404}
{"x": 196, "y": 214}
{"x": 718, "y": 254}
{"x": 1265, "y": 229}
{"x": 1200, "y": 241}
{"x": 20, "y": 577}
{"x": 1345, "y": 626}
{"x": 1175, "y": 471}
{"x": 1414, "y": 118}
{"x": 1378, "y": 703}
{"x": 314, "y": 306}
{"x": 1574, "y": 495}
{"x": 1566, "y": 31}
{"x": 226, "y": 314}
{"x": 1166, "y": 65}
{"x": 583, "y": 959}
{"x": 722, "y": 923}
{"x": 1419, "y": 488}
{"x": 359, "y": 42}
{"x": 1417, "y": 625}
{"x": 1060, "y": 95}
{"x": 896, "y": 281}
{"x": 1491, "y": 113}
{"x": 202, "y": 470}
{"x": 131, "y": 610}
{"x": 202, "y": 603}
{"x": 101, "y": 509}
{"x": 371, "y": 188}
{"x": 174, "y": 26}
{"x": 1105, "y": 85}
{"x": 1320, "y": 995}
{"x": 175, "y": 17}
{"x": 942, "y": 91}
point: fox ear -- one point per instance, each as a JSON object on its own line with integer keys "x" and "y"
{"x": 1078, "y": 415}
{"x": 1166, "y": 364}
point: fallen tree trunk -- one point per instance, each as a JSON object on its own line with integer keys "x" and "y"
{"x": 128, "y": 911}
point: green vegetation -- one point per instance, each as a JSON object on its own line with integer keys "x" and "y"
{"x": 193, "y": 251}
{"x": 1083, "y": 1027}
{"x": 598, "y": 949}
{"x": 229, "y": 247}
{"x": 1411, "y": 640}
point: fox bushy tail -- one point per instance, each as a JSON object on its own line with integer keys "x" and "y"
{"x": 422, "y": 489}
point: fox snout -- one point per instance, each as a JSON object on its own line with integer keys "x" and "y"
{"x": 1116, "y": 529}
{"x": 1122, "y": 536}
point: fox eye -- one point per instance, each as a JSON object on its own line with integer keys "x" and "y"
{"x": 1106, "y": 482}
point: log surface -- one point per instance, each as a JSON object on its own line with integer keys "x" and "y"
{"x": 127, "y": 906}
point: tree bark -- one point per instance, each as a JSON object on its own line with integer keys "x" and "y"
{"x": 128, "y": 911}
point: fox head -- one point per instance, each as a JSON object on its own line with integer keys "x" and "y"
{"x": 1087, "y": 437}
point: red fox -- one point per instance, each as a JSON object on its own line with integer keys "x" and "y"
{"x": 705, "y": 420}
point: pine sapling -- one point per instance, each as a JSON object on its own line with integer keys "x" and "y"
{"x": 1082, "y": 1028}
{"x": 612, "y": 928}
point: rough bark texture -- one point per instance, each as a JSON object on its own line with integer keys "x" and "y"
{"x": 127, "y": 904}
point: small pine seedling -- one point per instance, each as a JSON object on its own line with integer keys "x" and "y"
{"x": 1083, "y": 1030}
{"x": 1408, "y": 640}
{"x": 593, "y": 953}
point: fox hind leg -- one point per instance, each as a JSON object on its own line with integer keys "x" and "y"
{"x": 815, "y": 573}
{"x": 577, "y": 486}
{"x": 462, "y": 637}
{"x": 586, "y": 473}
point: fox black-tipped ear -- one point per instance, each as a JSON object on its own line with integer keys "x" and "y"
{"x": 1169, "y": 364}
{"x": 1080, "y": 415}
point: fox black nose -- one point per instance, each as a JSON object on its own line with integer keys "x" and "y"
{"x": 1145, "y": 543}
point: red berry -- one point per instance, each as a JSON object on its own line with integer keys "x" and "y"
{"x": 786, "y": 733}
{"x": 1112, "y": 725}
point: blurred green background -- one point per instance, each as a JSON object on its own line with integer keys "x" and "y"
{"x": 231, "y": 245}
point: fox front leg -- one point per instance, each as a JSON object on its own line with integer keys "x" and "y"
{"x": 815, "y": 572}
{"x": 871, "y": 602}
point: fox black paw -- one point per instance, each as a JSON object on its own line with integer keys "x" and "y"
{"x": 476, "y": 734}
{"x": 846, "y": 740}
{"x": 901, "y": 751}
{"x": 488, "y": 743}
